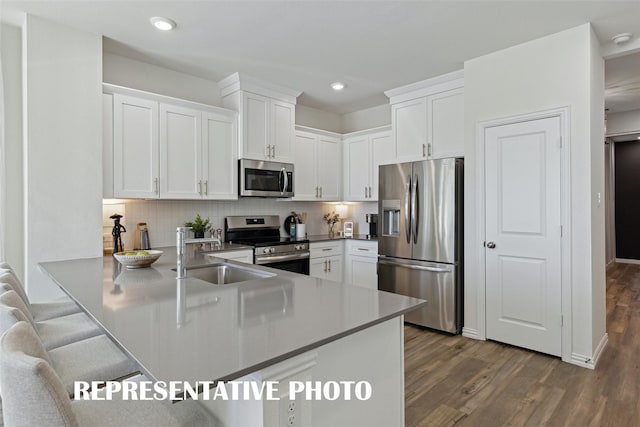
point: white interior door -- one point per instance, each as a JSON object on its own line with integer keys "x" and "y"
{"x": 523, "y": 234}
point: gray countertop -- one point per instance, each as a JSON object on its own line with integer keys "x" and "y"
{"x": 191, "y": 330}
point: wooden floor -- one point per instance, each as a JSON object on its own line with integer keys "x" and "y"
{"x": 464, "y": 382}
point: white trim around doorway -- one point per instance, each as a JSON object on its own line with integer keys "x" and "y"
{"x": 563, "y": 114}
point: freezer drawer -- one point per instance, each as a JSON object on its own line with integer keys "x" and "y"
{"x": 434, "y": 282}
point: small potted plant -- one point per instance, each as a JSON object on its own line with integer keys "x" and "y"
{"x": 199, "y": 226}
{"x": 331, "y": 219}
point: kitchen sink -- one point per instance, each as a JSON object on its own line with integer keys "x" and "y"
{"x": 224, "y": 274}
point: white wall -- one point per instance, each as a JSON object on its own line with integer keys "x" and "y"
{"x": 11, "y": 72}
{"x": 625, "y": 122}
{"x": 319, "y": 119}
{"x": 62, "y": 78}
{"x": 551, "y": 72}
{"x": 366, "y": 119}
{"x": 127, "y": 72}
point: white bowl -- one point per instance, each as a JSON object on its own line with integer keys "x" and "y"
{"x": 137, "y": 261}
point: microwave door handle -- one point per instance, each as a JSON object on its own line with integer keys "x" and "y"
{"x": 407, "y": 207}
{"x": 415, "y": 209}
{"x": 283, "y": 172}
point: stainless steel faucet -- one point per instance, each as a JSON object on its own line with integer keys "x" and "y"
{"x": 181, "y": 249}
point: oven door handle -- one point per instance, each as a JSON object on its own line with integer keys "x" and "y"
{"x": 270, "y": 259}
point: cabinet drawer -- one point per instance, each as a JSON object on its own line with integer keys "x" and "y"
{"x": 324, "y": 249}
{"x": 362, "y": 248}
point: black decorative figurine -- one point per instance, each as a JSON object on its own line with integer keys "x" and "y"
{"x": 117, "y": 231}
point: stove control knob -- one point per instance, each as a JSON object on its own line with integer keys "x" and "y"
{"x": 299, "y": 247}
{"x": 269, "y": 250}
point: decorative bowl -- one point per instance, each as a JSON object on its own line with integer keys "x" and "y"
{"x": 138, "y": 261}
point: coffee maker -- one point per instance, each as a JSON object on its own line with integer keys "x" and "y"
{"x": 372, "y": 220}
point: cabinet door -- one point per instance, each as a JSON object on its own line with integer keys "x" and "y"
{"x": 135, "y": 148}
{"x": 446, "y": 123}
{"x": 107, "y": 146}
{"x": 328, "y": 169}
{"x": 180, "y": 152}
{"x": 255, "y": 126}
{"x": 282, "y": 131}
{"x": 383, "y": 151}
{"x": 334, "y": 270}
{"x": 318, "y": 267}
{"x": 219, "y": 157}
{"x": 305, "y": 185}
{"x": 356, "y": 170}
{"x": 363, "y": 271}
{"x": 409, "y": 124}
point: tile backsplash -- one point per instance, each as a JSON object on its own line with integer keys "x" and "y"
{"x": 163, "y": 216}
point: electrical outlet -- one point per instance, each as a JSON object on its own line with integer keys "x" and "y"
{"x": 289, "y": 413}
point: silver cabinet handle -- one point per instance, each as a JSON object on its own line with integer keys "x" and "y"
{"x": 155, "y": 183}
{"x": 267, "y": 151}
{"x": 429, "y": 149}
{"x": 491, "y": 245}
{"x": 329, "y": 266}
{"x": 326, "y": 249}
{"x": 273, "y": 155}
{"x": 369, "y": 192}
{"x": 200, "y": 187}
{"x": 363, "y": 249}
{"x": 365, "y": 191}
{"x": 321, "y": 192}
{"x": 325, "y": 265}
{"x": 206, "y": 187}
{"x": 316, "y": 192}
{"x": 424, "y": 150}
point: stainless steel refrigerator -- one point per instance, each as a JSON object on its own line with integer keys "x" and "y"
{"x": 420, "y": 238}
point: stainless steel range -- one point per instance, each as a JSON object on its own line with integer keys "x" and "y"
{"x": 270, "y": 250}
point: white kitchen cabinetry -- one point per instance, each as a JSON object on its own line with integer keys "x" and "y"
{"x": 361, "y": 259}
{"x": 326, "y": 260}
{"x": 267, "y": 117}
{"x": 136, "y": 159}
{"x": 243, "y": 255}
{"x": 317, "y": 166}
{"x": 427, "y": 118}
{"x": 363, "y": 153}
{"x": 168, "y": 148}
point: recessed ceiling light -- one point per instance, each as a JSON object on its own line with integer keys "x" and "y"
{"x": 621, "y": 38}
{"x": 164, "y": 24}
{"x": 337, "y": 86}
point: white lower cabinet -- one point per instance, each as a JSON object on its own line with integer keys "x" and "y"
{"x": 326, "y": 260}
{"x": 244, "y": 255}
{"x": 361, "y": 261}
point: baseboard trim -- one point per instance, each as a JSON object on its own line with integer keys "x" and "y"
{"x": 471, "y": 333}
{"x": 628, "y": 261}
{"x": 590, "y": 362}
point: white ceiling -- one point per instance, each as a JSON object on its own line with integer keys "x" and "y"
{"x": 371, "y": 46}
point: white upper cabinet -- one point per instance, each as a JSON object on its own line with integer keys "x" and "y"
{"x": 168, "y": 148}
{"x": 317, "y": 163}
{"x": 446, "y": 123}
{"x": 267, "y": 117}
{"x": 180, "y": 152}
{"x": 363, "y": 153}
{"x": 409, "y": 125}
{"x": 427, "y": 118}
{"x": 219, "y": 156}
{"x": 136, "y": 168}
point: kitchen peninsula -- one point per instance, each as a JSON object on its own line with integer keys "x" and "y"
{"x": 285, "y": 327}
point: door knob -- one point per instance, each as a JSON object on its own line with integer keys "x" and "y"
{"x": 491, "y": 245}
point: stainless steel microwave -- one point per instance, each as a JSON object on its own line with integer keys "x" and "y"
{"x": 259, "y": 178}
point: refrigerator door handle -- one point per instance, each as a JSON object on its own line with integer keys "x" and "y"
{"x": 407, "y": 207}
{"x": 415, "y": 206}
{"x": 415, "y": 267}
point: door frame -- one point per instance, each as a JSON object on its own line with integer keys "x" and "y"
{"x": 563, "y": 113}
